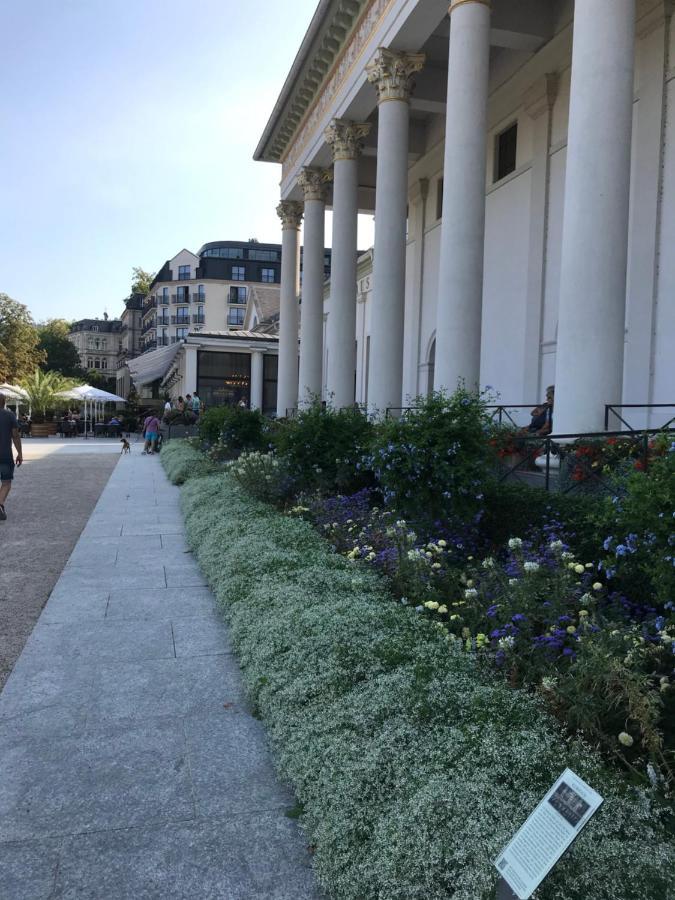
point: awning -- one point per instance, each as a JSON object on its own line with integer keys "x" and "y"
{"x": 154, "y": 364}
{"x": 87, "y": 392}
{"x": 13, "y": 392}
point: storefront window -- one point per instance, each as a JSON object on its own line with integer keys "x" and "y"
{"x": 223, "y": 379}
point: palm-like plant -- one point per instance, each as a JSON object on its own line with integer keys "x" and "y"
{"x": 42, "y": 388}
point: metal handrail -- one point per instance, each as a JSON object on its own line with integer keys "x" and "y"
{"x": 611, "y": 409}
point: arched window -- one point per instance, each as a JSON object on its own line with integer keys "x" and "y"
{"x": 90, "y": 363}
{"x": 104, "y": 363}
{"x": 97, "y": 363}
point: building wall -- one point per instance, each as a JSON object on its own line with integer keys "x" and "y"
{"x": 524, "y": 217}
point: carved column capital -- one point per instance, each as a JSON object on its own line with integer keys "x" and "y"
{"x": 346, "y": 138}
{"x": 290, "y": 213}
{"x": 314, "y": 182}
{"x": 392, "y": 73}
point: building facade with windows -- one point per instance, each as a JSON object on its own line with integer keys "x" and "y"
{"x": 519, "y": 159}
{"x": 98, "y": 343}
{"x": 130, "y": 342}
{"x": 207, "y": 290}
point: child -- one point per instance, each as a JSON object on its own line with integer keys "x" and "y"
{"x": 151, "y": 431}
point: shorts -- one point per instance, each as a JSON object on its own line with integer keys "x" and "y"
{"x": 151, "y": 435}
{"x": 6, "y": 471}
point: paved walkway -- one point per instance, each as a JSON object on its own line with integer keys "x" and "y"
{"x": 129, "y": 765}
{"x": 52, "y": 497}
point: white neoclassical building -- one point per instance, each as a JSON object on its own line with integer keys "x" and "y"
{"x": 519, "y": 159}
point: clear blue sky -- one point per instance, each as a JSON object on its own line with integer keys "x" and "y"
{"x": 128, "y": 130}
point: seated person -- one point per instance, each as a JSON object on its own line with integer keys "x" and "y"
{"x": 542, "y": 416}
{"x": 114, "y": 421}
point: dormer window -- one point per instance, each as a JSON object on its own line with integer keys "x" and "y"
{"x": 183, "y": 273}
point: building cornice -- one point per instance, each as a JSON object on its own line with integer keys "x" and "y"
{"x": 330, "y": 33}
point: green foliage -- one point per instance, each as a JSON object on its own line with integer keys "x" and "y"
{"x": 42, "y": 388}
{"x": 264, "y": 475}
{"x": 141, "y": 281}
{"x": 183, "y": 460}
{"x": 324, "y": 449}
{"x": 638, "y": 527}
{"x": 434, "y": 463}
{"x": 511, "y": 508}
{"x": 60, "y": 353}
{"x": 232, "y": 429}
{"x": 412, "y": 766}
{"x": 20, "y": 354}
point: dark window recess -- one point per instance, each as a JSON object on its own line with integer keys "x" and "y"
{"x": 439, "y": 199}
{"x": 236, "y": 316}
{"x": 237, "y": 294}
{"x": 268, "y": 276}
{"x": 238, "y": 273}
{"x": 183, "y": 273}
{"x": 506, "y": 145}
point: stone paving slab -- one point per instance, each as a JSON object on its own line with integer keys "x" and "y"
{"x": 130, "y": 763}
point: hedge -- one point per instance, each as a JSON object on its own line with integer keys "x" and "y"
{"x": 182, "y": 461}
{"x": 413, "y": 766}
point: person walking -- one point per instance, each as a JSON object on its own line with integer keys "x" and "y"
{"x": 151, "y": 428}
{"x": 9, "y": 434}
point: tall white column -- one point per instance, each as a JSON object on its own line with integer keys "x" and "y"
{"x": 190, "y": 377}
{"x": 346, "y": 141}
{"x": 290, "y": 213}
{"x": 391, "y": 73}
{"x": 314, "y": 183}
{"x": 460, "y": 277}
{"x": 256, "y": 380}
{"x": 591, "y": 318}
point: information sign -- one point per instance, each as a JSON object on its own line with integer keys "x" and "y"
{"x": 547, "y": 833}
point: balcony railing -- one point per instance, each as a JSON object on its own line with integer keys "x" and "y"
{"x": 198, "y": 298}
{"x": 147, "y": 326}
{"x": 197, "y": 319}
{"x": 164, "y": 320}
{"x": 180, "y": 298}
{"x": 164, "y": 301}
{"x": 149, "y": 345}
{"x": 149, "y": 303}
{"x": 180, "y": 320}
{"x": 163, "y": 342}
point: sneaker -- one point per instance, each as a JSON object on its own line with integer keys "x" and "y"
{"x": 3, "y": 514}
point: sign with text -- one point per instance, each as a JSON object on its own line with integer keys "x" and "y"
{"x": 547, "y": 833}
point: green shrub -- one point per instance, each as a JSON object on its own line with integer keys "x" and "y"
{"x": 324, "y": 449}
{"x": 182, "y": 460}
{"x": 434, "y": 462}
{"x": 211, "y": 423}
{"x": 264, "y": 475}
{"x": 638, "y": 533}
{"x": 518, "y": 509}
{"x": 413, "y": 766}
{"x": 233, "y": 429}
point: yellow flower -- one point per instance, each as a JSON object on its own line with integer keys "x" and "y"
{"x": 454, "y": 618}
{"x": 579, "y": 569}
{"x": 442, "y": 543}
{"x": 571, "y": 629}
{"x": 583, "y": 613}
{"x": 597, "y": 586}
{"x": 466, "y": 633}
{"x": 626, "y": 739}
{"x": 589, "y": 566}
{"x": 443, "y": 609}
{"x": 431, "y": 604}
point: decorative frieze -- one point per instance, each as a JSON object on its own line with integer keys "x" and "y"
{"x": 346, "y": 138}
{"x": 290, "y": 213}
{"x": 314, "y": 183}
{"x": 392, "y": 73}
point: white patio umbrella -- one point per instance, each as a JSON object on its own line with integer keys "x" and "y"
{"x": 91, "y": 396}
{"x": 14, "y": 393}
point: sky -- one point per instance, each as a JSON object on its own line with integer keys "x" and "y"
{"x": 128, "y": 131}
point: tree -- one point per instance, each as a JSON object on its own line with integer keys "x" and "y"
{"x": 42, "y": 388}
{"x": 60, "y": 353}
{"x": 141, "y": 281}
{"x": 19, "y": 351}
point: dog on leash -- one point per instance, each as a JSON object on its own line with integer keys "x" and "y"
{"x": 126, "y": 446}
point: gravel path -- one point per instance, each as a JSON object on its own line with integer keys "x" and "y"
{"x": 52, "y": 497}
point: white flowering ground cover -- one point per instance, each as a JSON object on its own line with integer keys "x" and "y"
{"x": 182, "y": 460}
{"x": 413, "y": 768}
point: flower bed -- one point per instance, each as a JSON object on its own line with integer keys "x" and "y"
{"x": 413, "y": 765}
{"x": 182, "y": 459}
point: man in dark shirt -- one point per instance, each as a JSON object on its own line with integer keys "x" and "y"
{"x": 9, "y": 433}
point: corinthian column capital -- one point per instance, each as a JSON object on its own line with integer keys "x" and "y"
{"x": 346, "y": 138}
{"x": 314, "y": 182}
{"x": 290, "y": 213}
{"x": 392, "y": 73}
